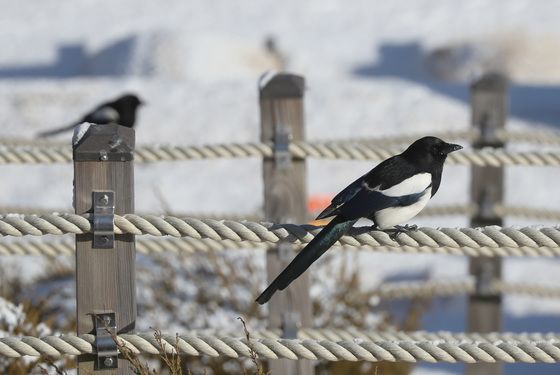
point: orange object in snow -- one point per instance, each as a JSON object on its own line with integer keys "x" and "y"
{"x": 316, "y": 204}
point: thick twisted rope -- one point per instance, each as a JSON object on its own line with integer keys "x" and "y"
{"x": 533, "y": 290}
{"x": 539, "y": 137}
{"x": 424, "y": 289}
{"x": 353, "y": 333}
{"x": 339, "y": 150}
{"x": 528, "y": 212}
{"x": 437, "y": 210}
{"x": 543, "y": 137}
{"x": 345, "y": 350}
{"x": 441, "y": 288}
{"x": 143, "y": 245}
{"x": 485, "y": 241}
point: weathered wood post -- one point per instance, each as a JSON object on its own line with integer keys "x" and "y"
{"x": 105, "y": 262}
{"x": 489, "y": 111}
{"x": 285, "y": 201}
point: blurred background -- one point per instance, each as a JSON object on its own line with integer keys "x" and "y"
{"x": 372, "y": 68}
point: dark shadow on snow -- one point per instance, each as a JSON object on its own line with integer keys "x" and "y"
{"x": 535, "y": 103}
{"x": 116, "y": 59}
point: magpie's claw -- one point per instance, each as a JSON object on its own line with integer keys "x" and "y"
{"x": 398, "y": 229}
{"x": 412, "y": 227}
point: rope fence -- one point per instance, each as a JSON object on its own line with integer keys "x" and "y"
{"x": 354, "y": 333}
{"x": 539, "y": 137}
{"x": 394, "y": 290}
{"x": 446, "y": 288}
{"x": 143, "y": 245}
{"x": 429, "y": 211}
{"x": 451, "y": 351}
{"x": 221, "y": 232}
{"x": 485, "y": 241}
{"x": 193, "y": 245}
{"x": 299, "y": 150}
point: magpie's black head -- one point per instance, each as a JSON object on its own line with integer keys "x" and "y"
{"x": 126, "y": 107}
{"x": 429, "y": 151}
{"x": 129, "y": 101}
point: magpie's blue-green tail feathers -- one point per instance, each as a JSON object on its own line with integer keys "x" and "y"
{"x": 317, "y": 247}
{"x": 49, "y": 133}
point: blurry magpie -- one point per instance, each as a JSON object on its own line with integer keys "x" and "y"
{"x": 390, "y": 194}
{"x": 121, "y": 111}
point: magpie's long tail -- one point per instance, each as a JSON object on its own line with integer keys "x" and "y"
{"x": 49, "y": 133}
{"x": 310, "y": 253}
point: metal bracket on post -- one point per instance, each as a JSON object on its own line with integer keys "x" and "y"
{"x": 487, "y": 209}
{"x": 282, "y": 138}
{"x": 291, "y": 321}
{"x": 485, "y": 279}
{"x": 103, "y": 219}
{"x": 105, "y": 346}
{"x": 488, "y": 132}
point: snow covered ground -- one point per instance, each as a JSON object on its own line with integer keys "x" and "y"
{"x": 372, "y": 68}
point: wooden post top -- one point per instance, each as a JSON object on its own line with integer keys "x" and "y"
{"x": 105, "y": 143}
{"x": 281, "y": 85}
{"x": 491, "y": 81}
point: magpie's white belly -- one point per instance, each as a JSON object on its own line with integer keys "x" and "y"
{"x": 389, "y": 217}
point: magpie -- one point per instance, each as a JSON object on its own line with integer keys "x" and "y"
{"x": 390, "y": 194}
{"x": 121, "y": 111}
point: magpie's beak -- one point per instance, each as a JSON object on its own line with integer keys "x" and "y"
{"x": 450, "y": 147}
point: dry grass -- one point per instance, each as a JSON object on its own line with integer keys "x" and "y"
{"x": 219, "y": 283}
{"x": 38, "y": 317}
{"x": 254, "y": 358}
{"x": 173, "y": 364}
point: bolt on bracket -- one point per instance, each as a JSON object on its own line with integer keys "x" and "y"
{"x": 291, "y": 322}
{"x": 489, "y": 133}
{"x": 103, "y": 219}
{"x": 106, "y": 350}
{"x": 282, "y": 138}
{"x": 485, "y": 280}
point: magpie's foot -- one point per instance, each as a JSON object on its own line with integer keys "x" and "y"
{"x": 398, "y": 229}
{"x": 406, "y": 227}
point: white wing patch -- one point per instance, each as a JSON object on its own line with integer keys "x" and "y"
{"x": 106, "y": 115}
{"x": 412, "y": 185}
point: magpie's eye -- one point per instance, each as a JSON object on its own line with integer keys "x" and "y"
{"x": 437, "y": 151}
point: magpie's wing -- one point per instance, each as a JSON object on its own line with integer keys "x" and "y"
{"x": 367, "y": 202}
{"x": 341, "y": 198}
{"x": 383, "y": 172}
{"x": 103, "y": 115}
{"x": 392, "y": 183}
{"x": 364, "y": 196}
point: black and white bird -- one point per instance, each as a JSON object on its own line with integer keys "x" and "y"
{"x": 390, "y": 194}
{"x": 121, "y": 111}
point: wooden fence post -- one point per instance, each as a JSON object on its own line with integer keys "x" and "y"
{"x": 285, "y": 201}
{"x": 489, "y": 112}
{"x": 105, "y": 263}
